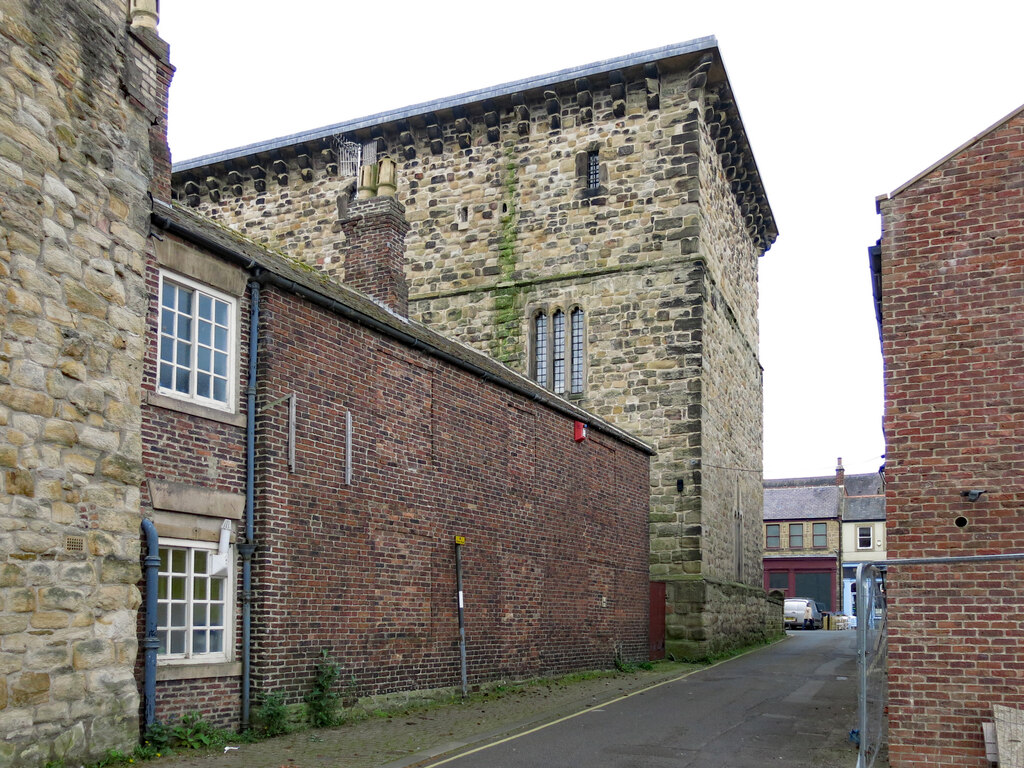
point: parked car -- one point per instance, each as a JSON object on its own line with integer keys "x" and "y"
{"x": 801, "y": 612}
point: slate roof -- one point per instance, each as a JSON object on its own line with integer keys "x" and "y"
{"x": 801, "y": 503}
{"x": 277, "y": 269}
{"x": 864, "y": 485}
{"x": 860, "y": 509}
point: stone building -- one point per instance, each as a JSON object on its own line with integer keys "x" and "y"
{"x": 598, "y": 230}
{"x": 950, "y": 299}
{"x": 82, "y": 126}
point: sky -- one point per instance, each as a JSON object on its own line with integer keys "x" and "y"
{"x": 841, "y": 101}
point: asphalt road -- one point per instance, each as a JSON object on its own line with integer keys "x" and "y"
{"x": 791, "y": 704}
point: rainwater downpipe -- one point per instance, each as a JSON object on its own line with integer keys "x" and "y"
{"x": 247, "y": 547}
{"x": 150, "y": 643}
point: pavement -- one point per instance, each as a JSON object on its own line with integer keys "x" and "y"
{"x": 602, "y": 721}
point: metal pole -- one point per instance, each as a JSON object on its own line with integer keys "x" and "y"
{"x": 462, "y": 619}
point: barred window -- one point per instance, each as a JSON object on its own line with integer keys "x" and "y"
{"x": 559, "y": 350}
{"x": 593, "y": 170}
{"x": 540, "y": 349}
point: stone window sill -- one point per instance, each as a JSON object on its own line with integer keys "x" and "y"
{"x": 171, "y": 404}
{"x": 194, "y": 671}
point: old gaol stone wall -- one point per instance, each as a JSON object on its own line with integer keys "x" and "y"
{"x": 628, "y": 191}
{"x": 80, "y": 101}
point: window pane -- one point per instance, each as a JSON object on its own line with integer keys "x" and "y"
{"x": 167, "y": 349}
{"x": 163, "y": 559}
{"x": 199, "y": 564}
{"x": 199, "y": 589}
{"x": 185, "y": 327}
{"x": 202, "y": 385}
{"x": 184, "y": 354}
{"x": 185, "y": 301}
{"x": 199, "y": 615}
{"x": 216, "y": 615}
{"x": 161, "y": 587}
{"x": 220, "y": 364}
{"x": 181, "y": 380}
{"x": 203, "y": 358}
{"x": 221, "y": 309}
{"x": 166, "y": 322}
{"x": 168, "y": 297}
{"x": 178, "y": 641}
{"x": 216, "y": 641}
{"x": 220, "y": 390}
{"x": 161, "y": 615}
{"x": 162, "y": 637}
{"x": 217, "y": 589}
{"x": 220, "y": 338}
{"x": 205, "y": 307}
{"x": 177, "y": 614}
{"x": 199, "y": 641}
{"x": 179, "y": 562}
{"x": 205, "y": 333}
{"x": 178, "y": 588}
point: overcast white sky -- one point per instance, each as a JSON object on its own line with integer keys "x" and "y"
{"x": 842, "y": 101}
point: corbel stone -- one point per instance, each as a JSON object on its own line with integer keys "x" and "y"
{"x": 191, "y": 194}
{"x": 259, "y": 177}
{"x": 652, "y": 83}
{"x": 554, "y": 109}
{"x": 280, "y": 170}
{"x": 305, "y": 168}
{"x": 521, "y": 113}
{"x": 235, "y": 181}
{"x": 617, "y": 86}
{"x": 462, "y": 129}
{"x": 584, "y": 96}
{"x": 434, "y": 135}
{"x": 493, "y": 122}
{"x": 213, "y": 187}
{"x": 330, "y": 162}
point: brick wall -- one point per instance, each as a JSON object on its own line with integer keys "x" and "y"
{"x": 953, "y": 342}
{"x": 555, "y": 562}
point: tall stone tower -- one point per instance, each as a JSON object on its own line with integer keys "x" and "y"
{"x": 598, "y": 230}
{"x": 82, "y": 133}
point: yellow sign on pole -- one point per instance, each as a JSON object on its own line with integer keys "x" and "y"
{"x": 460, "y": 539}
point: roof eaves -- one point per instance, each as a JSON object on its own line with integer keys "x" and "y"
{"x": 538, "y": 81}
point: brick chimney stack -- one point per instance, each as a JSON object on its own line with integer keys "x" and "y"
{"x": 840, "y": 473}
{"x": 374, "y": 251}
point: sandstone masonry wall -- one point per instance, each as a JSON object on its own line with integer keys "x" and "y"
{"x": 79, "y": 95}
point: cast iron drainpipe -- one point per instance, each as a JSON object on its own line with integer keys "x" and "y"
{"x": 248, "y": 546}
{"x": 150, "y": 642}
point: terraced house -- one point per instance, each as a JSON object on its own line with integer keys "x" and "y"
{"x": 596, "y": 229}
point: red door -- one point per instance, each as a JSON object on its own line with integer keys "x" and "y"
{"x": 657, "y": 623}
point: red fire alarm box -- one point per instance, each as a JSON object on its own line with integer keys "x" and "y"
{"x": 580, "y": 433}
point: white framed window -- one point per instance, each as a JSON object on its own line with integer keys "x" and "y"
{"x": 198, "y": 343}
{"x": 864, "y": 536}
{"x": 558, "y": 361}
{"x": 194, "y": 606}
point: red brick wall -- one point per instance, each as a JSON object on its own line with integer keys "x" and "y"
{"x": 555, "y": 564}
{"x": 953, "y": 343}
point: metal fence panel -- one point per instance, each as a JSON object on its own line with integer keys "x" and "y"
{"x": 872, "y": 648}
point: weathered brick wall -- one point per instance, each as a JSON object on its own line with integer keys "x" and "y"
{"x": 77, "y": 102}
{"x": 502, "y": 225}
{"x": 953, "y": 341}
{"x": 555, "y": 561}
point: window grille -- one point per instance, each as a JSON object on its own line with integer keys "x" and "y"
{"x": 540, "y": 349}
{"x": 558, "y": 352}
{"x": 352, "y": 155}
{"x": 593, "y": 170}
{"x": 576, "y": 356}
